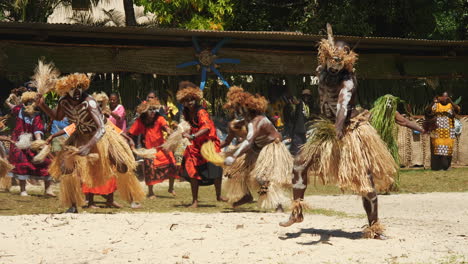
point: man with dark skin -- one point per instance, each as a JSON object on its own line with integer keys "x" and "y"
{"x": 262, "y": 140}
{"x": 338, "y": 93}
{"x": 83, "y": 111}
{"x": 260, "y": 133}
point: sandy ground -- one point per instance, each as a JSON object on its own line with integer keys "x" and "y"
{"x": 422, "y": 228}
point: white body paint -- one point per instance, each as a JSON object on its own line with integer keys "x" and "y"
{"x": 92, "y": 104}
{"x": 300, "y": 183}
{"x": 245, "y": 143}
{"x": 345, "y": 93}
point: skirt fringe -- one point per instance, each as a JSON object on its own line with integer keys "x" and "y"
{"x": 348, "y": 162}
{"x": 109, "y": 156}
{"x": 271, "y": 168}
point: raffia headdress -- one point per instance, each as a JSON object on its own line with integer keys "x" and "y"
{"x": 188, "y": 90}
{"x": 235, "y": 96}
{"x": 328, "y": 49}
{"x": 26, "y": 96}
{"x": 147, "y": 105}
{"x": 71, "y": 81}
{"x": 255, "y": 103}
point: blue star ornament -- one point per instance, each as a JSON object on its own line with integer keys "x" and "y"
{"x": 208, "y": 61}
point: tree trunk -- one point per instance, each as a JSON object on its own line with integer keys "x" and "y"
{"x": 130, "y": 19}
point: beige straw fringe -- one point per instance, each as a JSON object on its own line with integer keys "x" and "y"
{"x": 5, "y": 167}
{"x": 42, "y": 155}
{"x": 274, "y": 164}
{"x": 38, "y": 144}
{"x": 5, "y": 183}
{"x": 274, "y": 197}
{"x": 145, "y": 153}
{"x": 349, "y": 161}
{"x": 129, "y": 187}
{"x": 70, "y": 191}
{"x": 235, "y": 188}
{"x": 175, "y": 139}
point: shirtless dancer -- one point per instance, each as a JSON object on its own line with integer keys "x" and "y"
{"x": 73, "y": 165}
{"x": 261, "y": 160}
{"x": 344, "y": 149}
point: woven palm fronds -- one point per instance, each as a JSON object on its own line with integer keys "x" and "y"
{"x": 145, "y": 153}
{"x": 176, "y": 138}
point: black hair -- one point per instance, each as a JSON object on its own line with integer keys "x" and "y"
{"x": 152, "y": 92}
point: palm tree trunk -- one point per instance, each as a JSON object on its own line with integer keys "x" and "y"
{"x": 130, "y": 19}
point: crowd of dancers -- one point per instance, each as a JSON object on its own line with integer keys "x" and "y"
{"x": 91, "y": 151}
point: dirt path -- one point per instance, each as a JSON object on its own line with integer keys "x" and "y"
{"x": 422, "y": 228}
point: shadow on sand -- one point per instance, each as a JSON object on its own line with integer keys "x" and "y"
{"x": 324, "y": 235}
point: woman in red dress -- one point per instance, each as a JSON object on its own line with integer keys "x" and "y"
{"x": 28, "y": 121}
{"x": 151, "y": 125}
{"x": 194, "y": 167}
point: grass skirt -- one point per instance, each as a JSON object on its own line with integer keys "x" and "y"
{"x": 5, "y": 167}
{"x": 271, "y": 167}
{"x": 110, "y": 156}
{"x": 349, "y": 161}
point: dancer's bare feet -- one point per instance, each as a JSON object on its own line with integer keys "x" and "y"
{"x": 113, "y": 205}
{"x": 151, "y": 196}
{"x": 221, "y": 199}
{"x": 292, "y": 220}
{"x": 91, "y": 206}
{"x": 172, "y": 192}
{"x": 50, "y": 194}
{"x": 246, "y": 199}
{"x": 193, "y": 205}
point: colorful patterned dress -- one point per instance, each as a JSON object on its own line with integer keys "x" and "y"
{"x": 443, "y": 137}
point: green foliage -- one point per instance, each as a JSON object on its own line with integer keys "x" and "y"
{"x": 383, "y": 120}
{"x": 29, "y": 10}
{"x": 51, "y": 99}
{"x": 436, "y": 19}
{"x": 189, "y": 14}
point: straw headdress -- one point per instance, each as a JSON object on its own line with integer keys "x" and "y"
{"x": 188, "y": 90}
{"x": 147, "y": 105}
{"x": 328, "y": 49}
{"x": 71, "y": 81}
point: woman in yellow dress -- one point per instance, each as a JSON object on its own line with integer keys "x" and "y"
{"x": 442, "y": 128}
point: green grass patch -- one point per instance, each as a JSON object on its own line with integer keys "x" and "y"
{"x": 412, "y": 181}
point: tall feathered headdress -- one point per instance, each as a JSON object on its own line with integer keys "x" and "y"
{"x": 329, "y": 49}
{"x": 45, "y": 76}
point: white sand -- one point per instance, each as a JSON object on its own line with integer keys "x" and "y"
{"x": 422, "y": 228}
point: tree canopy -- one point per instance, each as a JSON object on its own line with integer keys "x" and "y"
{"x": 431, "y": 19}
